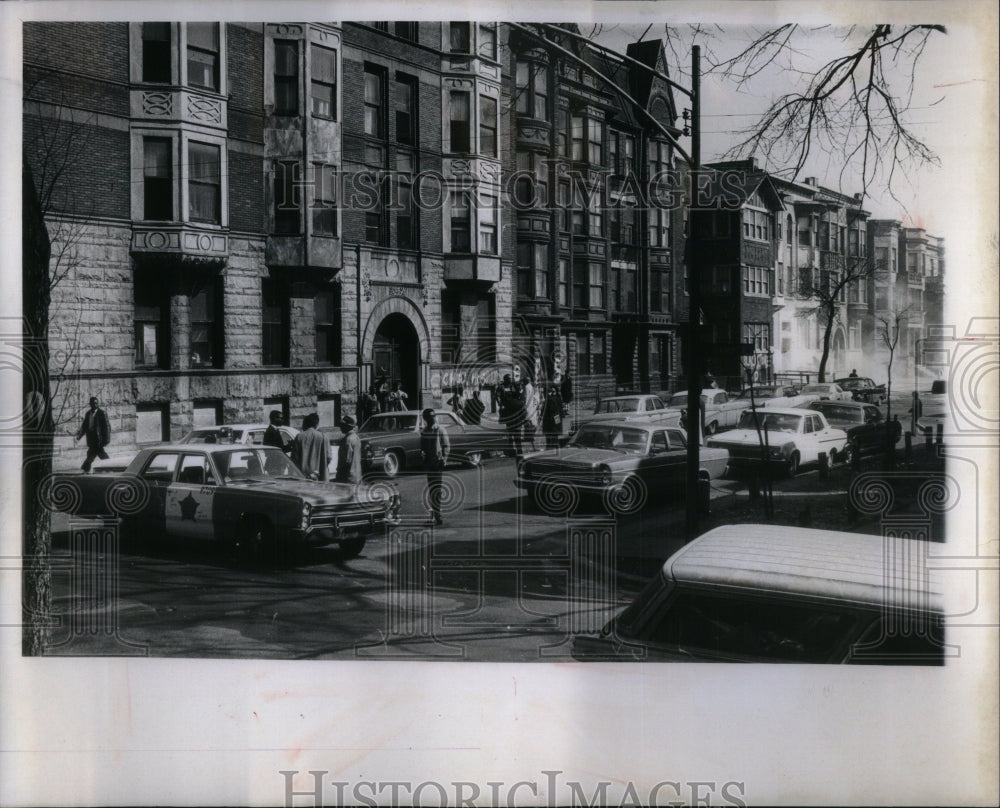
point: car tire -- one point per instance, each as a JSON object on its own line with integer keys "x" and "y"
{"x": 793, "y": 464}
{"x": 351, "y": 548}
{"x": 629, "y": 498}
{"x": 393, "y": 463}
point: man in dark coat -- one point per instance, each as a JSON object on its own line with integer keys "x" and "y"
{"x": 98, "y": 431}
{"x": 474, "y": 408}
{"x": 311, "y": 451}
{"x": 273, "y": 436}
{"x": 510, "y": 400}
{"x": 552, "y": 415}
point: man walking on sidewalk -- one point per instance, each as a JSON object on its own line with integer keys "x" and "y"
{"x": 98, "y": 431}
{"x": 434, "y": 446}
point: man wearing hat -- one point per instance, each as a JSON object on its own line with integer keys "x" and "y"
{"x": 349, "y": 456}
{"x": 434, "y": 446}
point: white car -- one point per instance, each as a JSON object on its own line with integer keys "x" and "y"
{"x": 638, "y": 406}
{"x": 825, "y": 391}
{"x": 793, "y": 438}
{"x": 721, "y": 411}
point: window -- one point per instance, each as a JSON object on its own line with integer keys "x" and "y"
{"x": 286, "y": 77}
{"x": 659, "y": 282}
{"x": 407, "y": 232}
{"x": 532, "y": 270}
{"x": 487, "y": 47}
{"x": 204, "y": 183}
{"x": 156, "y": 52}
{"x": 756, "y": 224}
{"x": 459, "y": 38}
{"x": 621, "y": 153}
{"x": 487, "y": 126}
{"x": 595, "y": 279}
{"x": 152, "y": 305}
{"x": 531, "y": 188}
{"x": 405, "y": 102}
{"x": 488, "y": 225}
{"x": 324, "y": 82}
{"x": 327, "y": 317}
{"x": 287, "y": 221}
{"x": 562, "y": 122}
{"x": 157, "y": 177}
{"x": 274, "y": 322}
{"x": 461, "y": 223}
{"x": 594, "y": 142}
{"x": 460, "y": 117}
{"x": 583, "y": 354}
{"x": 207, "y": 412}
{"x": 205, "y": 327}
{"x": 598, "y": 358}
{"x": 324, "y": 213}
{"x": 532, "y": 88}
{"x": 152, "y": 425}
{"x": 374, "y": 117}
{"x": 659, "y": 227}
{"x": 406, "y": 30}
{"x": 757, "y": 281}
{"x": 203, "y": 55}
{"x": 563, "y": 281}
{"x": 595, "y": 215}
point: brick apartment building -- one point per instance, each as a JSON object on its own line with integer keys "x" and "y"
{"x": 247, "y": 217}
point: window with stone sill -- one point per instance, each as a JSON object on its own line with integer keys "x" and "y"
{"x": 287, "y": 202}
{"x": 204, "y": 183}
{"x": 275, "y": 305}
{"x": 406, "y": 30}
{"x": 328, "y": 326}
{"x": 486, "y": 47}
{"x": 158, "y": 181}
{"x": 206, "y": 326}
{"x": 532, "y": 270}
{"x": 151, "y": 319}
{"x": 203, "y": 55}
{"x": 156, "y": 50}
{"x": 487, "y": 126}
{"x": 324, "y": 212}
{"x": 286, "y": 77}
{"x": 461, "y": 222}
{"x": 460, "y": 39}
{"x": 374, "y": 102}
{"x": 405, "y": 104}
{"x": 488, "y": 225}
{"x": 460, "y": 122}
{"x": 324, "y": 82}
{"x": 531, "y": 87}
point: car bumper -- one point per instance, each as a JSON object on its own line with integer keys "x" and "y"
{"x": 347, "y": 527}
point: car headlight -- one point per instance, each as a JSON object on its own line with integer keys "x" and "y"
{"x": 306, "y": 513}
{"x": 776, "y": 452}
{"x": 605, "y": 475}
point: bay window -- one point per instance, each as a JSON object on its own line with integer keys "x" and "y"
{"x": 324, "y": 82}
{"x": 204, "y": 182}
{"x": 203, "y": 55}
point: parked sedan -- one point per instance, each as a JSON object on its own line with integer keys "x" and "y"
{"x": 864, "y": 389}
{"x": 721, "y": 411}
{"x": 626, "y": 462}
{"x": 638, "y": 406}
{"x": 866, "y": 428}
{"x": 249, "y": 496}
{"x": 770, "y": 396}
{"x": 772, "y": 593}
{"x": 793, "y": 438}
{"x": 825, "y": 391}
{"x": 390, "y": 441}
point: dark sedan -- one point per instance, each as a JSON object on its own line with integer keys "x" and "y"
{"x": 390, "y": 441}
{"x": 864, "y": 389}
{"x": 866, "y": 429}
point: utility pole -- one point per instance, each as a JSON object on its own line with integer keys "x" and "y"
{"x": 692, "y": 259}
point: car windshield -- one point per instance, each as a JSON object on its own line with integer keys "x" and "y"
{"x": 841, "y": 413}
{"x": 679, "y": 399}
{"x": 817, "y": 388}
{"x": 216, "y": 435}
{"x": 258, "y": 463}
{"x": 617, "y": 405}
{"x": 389, "y": 423}
{"x": 770, "y": 421}
{"x": 850, "y": 384}
{"x": 621, "y": 439}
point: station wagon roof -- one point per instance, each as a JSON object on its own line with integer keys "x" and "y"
{"x": 853, "y": 567}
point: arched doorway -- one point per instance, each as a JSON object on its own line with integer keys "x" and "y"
{"x": 396, "y": 350}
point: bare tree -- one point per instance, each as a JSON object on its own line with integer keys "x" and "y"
{"x": 849, "y": 92}
{"x": 829, "y": 287}
{"x": 890, "y": 326}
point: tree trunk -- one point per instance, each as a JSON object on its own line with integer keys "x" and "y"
{"x": 826, "y": 349}
{"x": 38, "y": 431}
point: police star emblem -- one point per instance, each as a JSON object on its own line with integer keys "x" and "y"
{"x": 189, "y": 507}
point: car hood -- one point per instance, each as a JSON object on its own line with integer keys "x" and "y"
{"x": 573, "y": 456}
{"x": 312, "y": 491}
